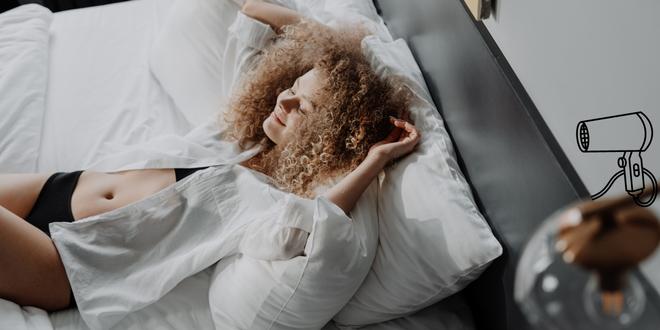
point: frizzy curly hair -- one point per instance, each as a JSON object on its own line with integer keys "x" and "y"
{"x": 351, "y": 113}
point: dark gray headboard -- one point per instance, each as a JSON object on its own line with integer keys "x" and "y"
{"x": 516, "y": 169}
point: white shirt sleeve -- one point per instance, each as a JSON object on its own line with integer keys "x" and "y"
{"x": 285, "y": 233}
{"x": 246, "y": 40}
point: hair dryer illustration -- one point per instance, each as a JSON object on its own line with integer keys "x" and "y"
{"x": 630, "y": 133}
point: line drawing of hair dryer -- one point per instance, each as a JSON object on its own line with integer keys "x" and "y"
{"x": 630, "y": 133}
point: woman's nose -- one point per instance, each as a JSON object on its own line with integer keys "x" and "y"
{"x": 288, "y": 103}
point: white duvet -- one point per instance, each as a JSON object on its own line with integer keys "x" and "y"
{"x": 23, "y": 81}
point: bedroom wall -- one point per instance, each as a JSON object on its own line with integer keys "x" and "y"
{"x": 586, "y": 59}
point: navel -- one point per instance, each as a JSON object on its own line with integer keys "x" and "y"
{"x": 109, "y": 195}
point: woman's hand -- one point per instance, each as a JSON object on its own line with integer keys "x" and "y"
{"x": 401, "y": 141}
{"x": 268, "y": 13}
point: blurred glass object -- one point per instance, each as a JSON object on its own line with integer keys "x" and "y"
{"x": 576, "y": 270}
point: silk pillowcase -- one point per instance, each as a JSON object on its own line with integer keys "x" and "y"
{"x": 186, "y": 57}
{"x": 189, "y": 59}
{"x": 432, "y": 239}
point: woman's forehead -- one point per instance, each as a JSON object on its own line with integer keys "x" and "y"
{"x": 309, "y": 85}
{"x": 311, "y": 80}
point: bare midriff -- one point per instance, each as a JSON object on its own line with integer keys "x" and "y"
{"x": 99, "y": 192}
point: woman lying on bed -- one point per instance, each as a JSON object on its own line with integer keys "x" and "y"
{"x": 313, "y": 104}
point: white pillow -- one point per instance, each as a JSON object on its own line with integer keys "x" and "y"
{"x": 337, "y": 13}
{"x": 433, "y": 240}
{"x": 186, "y": 57}
{"x": 248, "y": 292}
{"x": 23, "y": 82}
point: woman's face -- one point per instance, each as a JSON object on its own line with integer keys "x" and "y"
{"x": 292, "y": 107}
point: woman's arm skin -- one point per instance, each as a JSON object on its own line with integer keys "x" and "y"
{"x": 401, "y": 141}
{"x": 271, "y": 14}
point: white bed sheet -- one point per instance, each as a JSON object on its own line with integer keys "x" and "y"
{"x": 185, "y": 307}
{"x": 100, "y": 89}
{"x": 101, "y": 92}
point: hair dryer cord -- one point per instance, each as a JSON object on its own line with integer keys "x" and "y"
{"x": 608, "y": 185}
{"x": 654, "y": 185}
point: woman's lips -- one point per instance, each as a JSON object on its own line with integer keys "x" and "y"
{"x": 277, "y": 117}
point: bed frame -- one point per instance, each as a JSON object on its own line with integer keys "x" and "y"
{"x": 518, "y": 173}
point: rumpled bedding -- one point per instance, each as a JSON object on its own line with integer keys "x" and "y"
{"x": 23, "y": 81}
{"x": 101, "y": 94}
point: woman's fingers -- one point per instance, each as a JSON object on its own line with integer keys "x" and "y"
{"x": 401, "y": 140}
{"x": 409, "y": 128}
{"x": 405, "y": 125}
{"x": 394, "y": 135}
{"x": 402, "y": 124}
{"x": 407, "y": 141}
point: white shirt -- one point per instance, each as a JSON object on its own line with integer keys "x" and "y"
{"x": 123, "y": 260}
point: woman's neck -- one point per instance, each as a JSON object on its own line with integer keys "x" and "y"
{"x": 256, "y": 163}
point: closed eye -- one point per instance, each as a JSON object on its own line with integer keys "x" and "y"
{"x": 292, "y": 92}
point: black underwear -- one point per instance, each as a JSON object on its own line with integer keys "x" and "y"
{"x": 181, "y": 173}
{"x": 54, "y": 200}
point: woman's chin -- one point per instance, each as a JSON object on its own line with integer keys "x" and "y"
{"x": 268, "y": 129}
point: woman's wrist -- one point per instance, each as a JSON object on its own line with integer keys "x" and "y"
{"x": 248, "y": 8}
{"x": 369, "y": 168}
{"x": 377, "y": 160}
{"x": 346, "y": 193}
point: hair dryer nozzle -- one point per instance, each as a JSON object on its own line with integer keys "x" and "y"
{"x": 622, "y": 133}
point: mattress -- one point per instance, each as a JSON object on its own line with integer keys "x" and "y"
{"x": 101, "y": 95}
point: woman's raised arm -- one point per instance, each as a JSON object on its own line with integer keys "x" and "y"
{"x": 271, "y": 14}
{"x": 401, "y": 141}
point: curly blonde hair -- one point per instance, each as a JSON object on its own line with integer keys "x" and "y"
{"x": 351, "y": 114}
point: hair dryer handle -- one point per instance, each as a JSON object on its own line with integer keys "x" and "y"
{"x": 633, "y": 172}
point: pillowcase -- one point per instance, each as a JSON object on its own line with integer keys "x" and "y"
{"x": 336, "y": 13}
{"x": 23, "y": 82}
{"x": 186, "y": 57}
{"x": 433, "y": 240}
{"x": 249, "y": 291}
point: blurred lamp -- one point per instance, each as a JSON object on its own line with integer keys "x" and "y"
{"x": 575, "y": 272}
